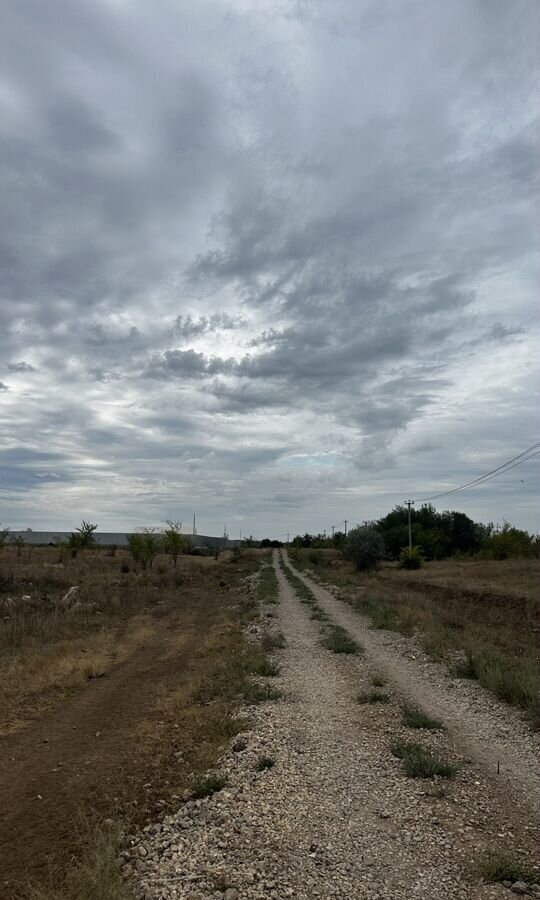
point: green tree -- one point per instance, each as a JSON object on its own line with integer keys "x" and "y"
{"x": 508, "y": 543}
{"x": 365, "y": 547}
{"x": 144, "y": 546}
{"x": 174, "y": 542}
{"x": 85, "y": 532}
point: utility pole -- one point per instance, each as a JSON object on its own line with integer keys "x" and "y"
{"x": 346, "y": 520}
{"x": 333, "y": 527}
{"x": 194, "y": 528}
{"x": 288, "y": 537}
{"x": 324, "y": 534}
{"x": 409, "y": 504}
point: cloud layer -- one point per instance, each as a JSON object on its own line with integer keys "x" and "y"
{"x": 271, "y": 262}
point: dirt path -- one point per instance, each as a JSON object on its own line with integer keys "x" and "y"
{"x": 334, "y": 814}
{"x": 491, "y": 732}
{"x": 82, "y": 752}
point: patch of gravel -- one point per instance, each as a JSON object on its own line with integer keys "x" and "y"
{"x": 490, "y": 731}
{"x": 335, "y": 816}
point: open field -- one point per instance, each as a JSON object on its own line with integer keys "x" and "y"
{"x": 110, "y": 703}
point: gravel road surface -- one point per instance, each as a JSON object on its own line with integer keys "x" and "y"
{"x": 334, "y": 814}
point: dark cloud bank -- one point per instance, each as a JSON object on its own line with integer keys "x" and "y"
{"x": 272, "y": 262}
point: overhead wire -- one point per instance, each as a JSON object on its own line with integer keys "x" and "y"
{"x": 532, "y": 451}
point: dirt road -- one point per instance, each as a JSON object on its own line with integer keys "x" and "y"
{"x": 490, "y": 731}
{"x": 316, "y": 804}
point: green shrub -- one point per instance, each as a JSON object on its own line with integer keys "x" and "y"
{"x": 410, "y": 559}
{"x": 206, "y": 785}
{"x": 266, "y": 668}
{"x": 264, "y": 762}
{"x": 420, "y": 763}
{"x": 365, "y": 548}
{"x": 261, "y": 693}
{"x": 338, "y": 641}
{"x": 414, "y": 717}
{"x": 501, "y": 865}
{"x": 319, "y": 616}
{"x": 273, "y": 641}
{"x": 144, "y": 546}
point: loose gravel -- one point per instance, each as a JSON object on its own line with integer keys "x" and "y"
{"x": 335, "y": 815}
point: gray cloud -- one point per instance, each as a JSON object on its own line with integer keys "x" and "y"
{"x": 21, "y": 367}
{"x": 263, "y": 259}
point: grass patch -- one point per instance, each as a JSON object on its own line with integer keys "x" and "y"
{"x": 338, "y": 641}
{"x": 319, "y": 616}
{"x": 232, "y": 682}
{"x": 96, "y": 874}
{"x": 264, "y": 762}
{"x": 414, "y": 717}
{"x": 274, "y": 641}
{"x": 373, "y": 697}
{"x": 206, "y": 785}
{"x": 501, "y": 865}
{"x": 305, "y": 594}
{"x": 378, "y": 681}
{"x": 512, "y": 680}
{"x": 266, "y": 668}
{"x": 382, "y": 617}
{"x": 261, "y": 693}
{"x": 267, "y": 587}
{"x": 420, "y": 763}
{"x": 435, "y": 644}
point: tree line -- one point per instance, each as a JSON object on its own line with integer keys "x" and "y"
{"x": 435, "y": 535}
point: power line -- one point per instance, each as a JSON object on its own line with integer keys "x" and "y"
{"x": 494, "y": 473}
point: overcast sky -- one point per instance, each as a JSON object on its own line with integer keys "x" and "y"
{"x": 272, "y": 261}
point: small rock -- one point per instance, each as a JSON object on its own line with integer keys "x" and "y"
{"x": 239, "y": 745}
{"x": 519, "y": 887}
{"x": 231, "y": 894}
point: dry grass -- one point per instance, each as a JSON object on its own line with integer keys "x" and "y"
{"x": 96, "y": 874}
{"x": 514, "y": 578}
{"x": 200, "y": 713}
{"x": 485, "y": 613}
{"x": 48, "y": 649}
